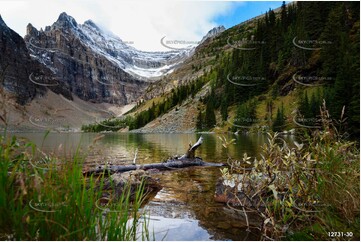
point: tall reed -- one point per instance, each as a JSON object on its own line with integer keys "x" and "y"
{"x": 50, "y": 199}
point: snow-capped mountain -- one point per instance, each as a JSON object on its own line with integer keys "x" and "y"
{"x": 141, "y": 64}
{"x": 85, "y": 62}
{"x": 97, "y": 65}
{"x": 133, "y": 61}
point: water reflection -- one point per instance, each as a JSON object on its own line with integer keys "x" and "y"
{"x": 187, "y": 196}
{"x": 120, "y": 147}
{"x": 184, "y": 209}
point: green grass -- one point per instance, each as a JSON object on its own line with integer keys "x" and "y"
{"x": 56, "y": 202}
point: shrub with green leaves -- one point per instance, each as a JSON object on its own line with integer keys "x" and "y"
{"x": 303, "y": 190}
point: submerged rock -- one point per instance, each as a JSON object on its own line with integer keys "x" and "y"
{"x": 119, "y": 183}
{"x": 237, "y": 192}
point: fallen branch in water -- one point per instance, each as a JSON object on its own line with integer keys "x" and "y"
{"x": 186, "y": 160}
{"x": 192, "y": 149}
{"x": 169, "y": 164}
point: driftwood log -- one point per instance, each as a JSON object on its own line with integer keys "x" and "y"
{"x": 186, "y": 160}
{"x": 192, "y": 149}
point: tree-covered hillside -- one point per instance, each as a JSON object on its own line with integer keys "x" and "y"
{"x": 274, "y": 72}
{"x": 304, "y": 45}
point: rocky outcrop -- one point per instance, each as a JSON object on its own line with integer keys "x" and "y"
{"x": 89, "y": 74}
{"x": 119, "y": 184}
{"x": 213, "y": 33}
{"x": 20, "y": 75}
{"x": 82, "y": 60}
{"x": 97, "y": 65}
{"x": 15, "y": 64}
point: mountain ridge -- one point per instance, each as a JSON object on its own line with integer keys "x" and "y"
{"x": 63, "y": 47}
{"x": 251, "y": 72}
{"x": 65, "y": 35}
{"x": 60, "y": 65}
{"x": 17, "y": 67}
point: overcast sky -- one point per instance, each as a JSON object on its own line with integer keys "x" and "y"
{"x": 140, "y": 23}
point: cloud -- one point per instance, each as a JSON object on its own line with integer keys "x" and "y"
{"x": 142, "y": 22}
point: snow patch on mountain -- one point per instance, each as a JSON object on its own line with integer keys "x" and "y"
{"x": 143, "y": 65}
{"x": 140, "y": 63}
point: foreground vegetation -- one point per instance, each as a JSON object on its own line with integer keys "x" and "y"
{"x": 45, "y": 198}
{"x": 307, "y": 192}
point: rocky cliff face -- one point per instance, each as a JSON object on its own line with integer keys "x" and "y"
{"x": 96, "y": 65}
{"x": 89, "y": 75}
{"x": 213, "y": 33}
{"x": 15, "y": 64}
{"x": 21, "y": 76}
{"x": 142, "y": 64}
{"x": 81, "y": 59}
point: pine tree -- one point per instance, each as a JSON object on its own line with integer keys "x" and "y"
{"x": 331, "y": 53}
{"x": 312, "y": 19}
{"x": 224, "y": 109}
{"x": 314, "y": 106}
{"x": 199, "y": 123}
{"x": 343, "y": 84}
{"x": 284, "y": 19}
{"x": 246, "y": 114}
{"x": 279, "y": 121}
{"x": 210, "y": 117}
{"x": 304, "y": 108}
{"x": 272, "y": 18}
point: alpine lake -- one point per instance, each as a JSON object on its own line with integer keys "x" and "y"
{"x": 184, "y": 209}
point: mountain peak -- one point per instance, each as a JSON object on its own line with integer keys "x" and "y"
{"x": 31, "y": 30}
{"x": 213, "y": 32}
{"x": 66, "y": 20}
{"x": 90, "y": 23}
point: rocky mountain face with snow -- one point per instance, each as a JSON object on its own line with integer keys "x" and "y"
{"x": 97, "y": 65}
{"x": 22, "y": 77}
{"x": 63, "y": 48}
{"x": 87, "y": 65}
{"x": 83, "y": 60}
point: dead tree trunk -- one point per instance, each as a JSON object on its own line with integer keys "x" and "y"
{"x": 169, "y": 164}
{"x": 192, "y": 149}
{"x": 186, "y": 160}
